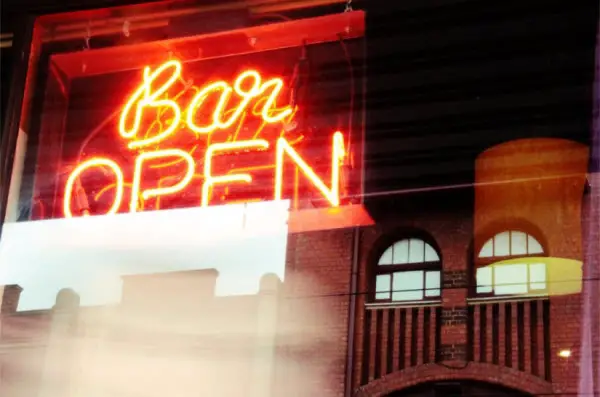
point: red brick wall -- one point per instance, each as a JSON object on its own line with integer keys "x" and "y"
{"x": 313, "y": 317}
{"x": 314, "y": 312}
{"x": 451, "y": 232}
{"x": 453, "y": 235}
{"x": 549, "y": 199}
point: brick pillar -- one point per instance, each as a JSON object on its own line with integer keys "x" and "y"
{"x": 9, "y": 297}
{"x": 57, "y": 365}
{"x": 453, "y": 321}
{"x": 313, "y": 314}
{"x": 266, "y": 326}
{"x": 565, "y": 328}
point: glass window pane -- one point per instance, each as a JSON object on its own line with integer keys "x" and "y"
{"x": 534, "y": 247}
{"x": 501, "y": 244}
{"x": 518, "y": 241}
{"x": 401, "y": 252}
{"x": 430, "y": 254}
{"x": 484, "y": 280}
{"x": 407, "y": 286}
{"x": 387, "y": 257}
{"x": 432, "y": 283}
{"x": 87, "y": 164}
{"x": 510, "y": 279}
{"x": 537, "y": 276}
{"x": 416, "y": 251}
{"x": 382, "y": 286}
{"x": 487, "y": 250}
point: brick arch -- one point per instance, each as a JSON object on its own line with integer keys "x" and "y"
{"x": 386, "y": 239}
{"x": 500, "y": 225}
{"x": 483, "y": 234}
{"x": 488, "y": 373}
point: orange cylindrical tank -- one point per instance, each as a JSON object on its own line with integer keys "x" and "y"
{"x": 535, "y": 182}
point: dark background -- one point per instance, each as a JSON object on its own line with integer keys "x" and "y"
{"x": 449, "y": 78}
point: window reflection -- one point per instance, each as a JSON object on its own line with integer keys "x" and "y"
{"x": 508, "y": 278}
{"x": 408, "y": 270}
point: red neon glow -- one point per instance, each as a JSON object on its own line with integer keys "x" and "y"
{"x": 159, "y": 191}
{"x": 149, "y": 118}
{"x": 73, "y": 180}
{"x": 268, "y": 112}
{"x": 144, "y": 97}
{"x": 332, "y": 194}
{"x": 210, "y": 180}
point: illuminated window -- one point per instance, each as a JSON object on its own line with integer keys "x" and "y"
{"x": 507, "y": 265}
{"x": 408, "y": 270}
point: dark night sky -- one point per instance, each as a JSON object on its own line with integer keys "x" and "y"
{"x": 449, "y": 78}
{"x": 447, "y": 82}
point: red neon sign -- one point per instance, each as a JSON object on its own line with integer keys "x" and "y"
{"x": 152, "y": 119}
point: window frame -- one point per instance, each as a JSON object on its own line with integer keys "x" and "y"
{"x": 481, "y": 262}
{"x": 391, "y": 269}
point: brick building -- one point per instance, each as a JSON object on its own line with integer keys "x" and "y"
{"x": 448, "y": 330}
{"x": 454, "y": 324}
{"x": 478, "y": 277}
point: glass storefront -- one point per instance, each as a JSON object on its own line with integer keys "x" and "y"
{"x": 150, "y": 135}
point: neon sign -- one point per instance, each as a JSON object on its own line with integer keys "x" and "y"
{"x": 152, "y": 120}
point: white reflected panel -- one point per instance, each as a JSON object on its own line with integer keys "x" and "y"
{"x": 510, "y": 279}
{"x": 401, "y": 252}
{"x": 89, "y": 255}
{"x": 416, "y": 252}
{"x": 518, "y": 242}
{"x": 407, "y": 286}
{"x": 387, "y": 258}
{"x": 382, "y": 286}
{"x": 537, "y": 276}
{"x": 534, "y": 247}
{"x": 430, "y": 254}
{"x": 484, "y": 280}
{"x": 487, "y": 250}
{"x": 432, "y": 284}
{"x": 502, "y": 244}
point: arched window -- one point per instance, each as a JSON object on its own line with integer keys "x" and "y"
{"x": 408, "y": 270}
{"x": 506, "y": 265}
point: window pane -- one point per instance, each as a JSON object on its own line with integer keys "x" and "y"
{"x": 484, "y": 280}
{"x": 501, "y": 244}
{"x": 386, "y": 258}
{"x": 401, "y": 252}
{"x": 416, "y": 251}
{"x": 382, "y": 286}
{"x": 487, "y": 250}
{"x": 407, "y": 286}
{"x": 432, "y": 283}
{"x": 518, "y": 241}
{"x": 537, "y": 276}
{"x": 510, "y": 279}
{"x": 534, "y": 247}
{"x": 430, "y": 254}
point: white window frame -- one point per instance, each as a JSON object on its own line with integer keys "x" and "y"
{"x": 527, "y": 276}
{"x": 407, "y": 259}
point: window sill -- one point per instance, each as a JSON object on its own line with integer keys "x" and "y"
{"x": 402, "y": 304}
{"x": 510, "y": 298}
